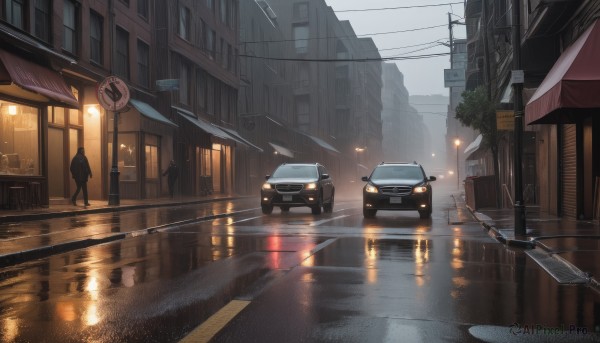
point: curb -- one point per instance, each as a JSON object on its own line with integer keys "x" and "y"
{"x": 494, "y": 233}
{"x": 37, "y": 253}
{"x": 42, "y": 252}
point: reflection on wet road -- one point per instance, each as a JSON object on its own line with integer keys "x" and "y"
{"x": 335, "y": 277}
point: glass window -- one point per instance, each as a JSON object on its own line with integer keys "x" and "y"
{"x": 13, "y": 12}
{"x": 210, "y": 95}
{"x": 223, "y": 57}
{"x": 205, "y": 165}
{"x": 122, "y": 55}
{"x": 211, "y": 38}
{"x": 201, "y": 90}
{"x": 301, "y": 10}
{"x": 223, "y": 10}
{"x": 70, "y": 26}
{"x": 96, "y": 22}
{"x": 127, "y": 155}
{"x": 301, "y": 38}
{"x": 142, "y": 8}
{"x": 151, "y": 161}
{"x": 229, "y": 57}
{"x": 184, "y": 79}
{"x": 183, "y": 30}
{"x": 143, "y": 61}
{"x": 56, "y": 115}
{"x": 42, "y": 20}
{"x": 210, "y": 4}
{"x": 19, "y": 139}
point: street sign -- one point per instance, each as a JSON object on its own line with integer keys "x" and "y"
{"x": 454, "y": 78}
{"x": 517, "y": 76}
{"x": 113, "y": 94}
{"x": 167, "y": 85}
{"x": 505, "y": 120}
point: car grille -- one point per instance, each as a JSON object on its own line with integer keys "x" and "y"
{"x": 286, "y": 187}
{"x": 396, "y": 190}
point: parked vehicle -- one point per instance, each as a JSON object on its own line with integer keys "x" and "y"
{"x": 397, "y": 187}
{"x": 298, "y": 185}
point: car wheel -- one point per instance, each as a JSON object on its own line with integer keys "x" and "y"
{"x": 425, "y": 214}
{"x": 316, "y": 209}
{"x": 328, "y": 207}
{"x": 369, "y": 213}
{"x": 285, "y": 208}
{"x": 267, "y": 209}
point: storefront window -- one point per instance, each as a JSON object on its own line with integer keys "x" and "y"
{"x": 151, "y": 157}
{"x": 19, "y": 137}
{"x": 127, "y": 156}
{"x": 205, "y": 165}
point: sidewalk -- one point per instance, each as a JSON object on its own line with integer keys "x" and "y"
{"x": 64, "y": 208}
{"x": 569, "y": 250}
{"x": 33, "y": 241}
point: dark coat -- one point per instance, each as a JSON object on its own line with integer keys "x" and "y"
{"x": 172, "y": 173}
{"x": 80, "y": 168}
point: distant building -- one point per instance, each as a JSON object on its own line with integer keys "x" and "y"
{"x": 337, "y": 102}
{"x": 404, "y": 133}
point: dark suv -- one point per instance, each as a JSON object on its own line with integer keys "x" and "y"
{"x": 296, "y": 185}
{"x": 397, "y": 187}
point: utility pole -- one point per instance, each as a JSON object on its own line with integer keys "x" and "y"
{"x": 517, "y": 82}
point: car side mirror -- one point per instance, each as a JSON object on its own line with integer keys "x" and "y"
{"x": 325, "y": 176}
{"x": 267, "y": 177}
{"x": 432, "y": 178}
{"x": 365, "y": 178}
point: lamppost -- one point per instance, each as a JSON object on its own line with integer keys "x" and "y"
{"x": 457, "y": 143}
{"x": 357, "y": 150}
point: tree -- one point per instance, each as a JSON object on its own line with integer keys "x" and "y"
{"x": 478, "y": 112}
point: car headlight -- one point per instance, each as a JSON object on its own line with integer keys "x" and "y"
{"x": 420, "y": 189}
{"x": 369, "y": 188}
{"x": 267, "y": 185}
{"x": 311, "y": 185}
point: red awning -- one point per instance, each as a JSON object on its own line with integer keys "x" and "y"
{"x": 572, "y": 83}
{"x": 35, "y": 78}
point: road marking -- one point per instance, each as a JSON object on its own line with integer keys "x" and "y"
{"x": 207, "y": 330}
{"x": 327, "y": 220}
{"x": 243, "y": 220}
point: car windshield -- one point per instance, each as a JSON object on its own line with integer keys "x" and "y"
{"x": 397, "y": 172}
{"x": 303, "y": 172}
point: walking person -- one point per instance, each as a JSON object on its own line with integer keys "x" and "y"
{"x": 80, "y": 171}
{"x": 172, "y": 173}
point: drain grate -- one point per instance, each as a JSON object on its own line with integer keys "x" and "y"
{"x": 561, "y": 270}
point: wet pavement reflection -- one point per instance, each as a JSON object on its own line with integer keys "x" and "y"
{"x": 137, "y": 290}
{"x": 388, "y": 290}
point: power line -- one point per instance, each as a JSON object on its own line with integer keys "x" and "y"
{"x": 414, "y": 45}
{"x": 382, "y": 59}
{"x": 398, "y": 8}
{"x": 339, "y": 37}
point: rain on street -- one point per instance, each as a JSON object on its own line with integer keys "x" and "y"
{"x": 299, "y": 277}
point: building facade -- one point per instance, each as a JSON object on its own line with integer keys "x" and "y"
{"x": 558, "y": 144}
{"x": 404, "y": 133}
{"x": 174, "y": 67}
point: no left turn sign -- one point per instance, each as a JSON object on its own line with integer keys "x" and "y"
{"x": 113, "y": 94}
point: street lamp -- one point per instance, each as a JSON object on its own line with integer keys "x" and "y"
{"x": 457, "y": 143}
{"x": 357, "y": 150}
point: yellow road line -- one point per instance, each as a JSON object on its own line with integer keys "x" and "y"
{"x": 207, "y": 330}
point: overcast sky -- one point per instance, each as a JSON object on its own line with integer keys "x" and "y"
{"x": 423, "y": 76}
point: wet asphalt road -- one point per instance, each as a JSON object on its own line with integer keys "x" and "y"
{"x": 304, "y": 278}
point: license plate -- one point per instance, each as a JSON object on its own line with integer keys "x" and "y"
{"x": 395, "y": 200}
{"x": 287, "y": 198}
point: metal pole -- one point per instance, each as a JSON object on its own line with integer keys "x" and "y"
{"x": 520, "y": 223}
{"x": 457, "y": 170}
{"x": 113, "y": 194}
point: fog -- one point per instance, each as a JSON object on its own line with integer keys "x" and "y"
{"x": 421, "y": 76}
